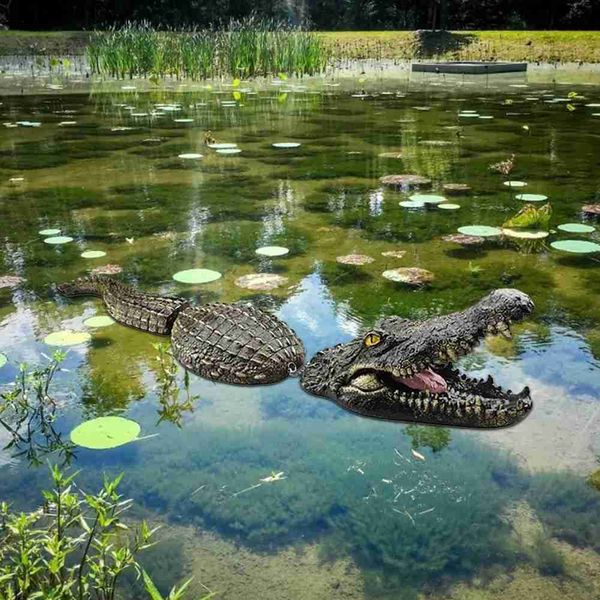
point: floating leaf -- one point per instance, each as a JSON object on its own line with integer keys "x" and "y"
{"x": 99, "y": 321}
{"x": 525, "y": 235}
{"x": 394, "y": 155}
{"x": 411, "y": 204}
{"x": 449, "y": 206}
{"x": 196, "y": 276}
{"x": 480, "y": 230}
{"x": 237, "y": 96}
{"x": 272, "y": 251}
{"x": 228, "y": 151}
{"x": 409, "y": 275}
{"x": 576, "y": 246}
{"x": 3, "y": 359}
{"x": 47, "y": 232}
{"x": 355, "y": 259}
{"x": 515, "y": 184}
{"x": 190, "y": 156}
{"x": 394, "y": 253}
{"x": 427, "y": 198}
{"x": 105, "y": 432}
{"x": 532, "y": 197}
{"x": 261, "y": 281}
{"x": 286, "y": 144}
{"x": 67, "y": 337}
{"x": 576, "y": 228}
{"x": 93, "y": 254}
{"x": 59, "y": 239}
{"x": 223, "y": 146}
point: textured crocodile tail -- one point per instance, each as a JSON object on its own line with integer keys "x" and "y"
{"x": 82, "y": 286}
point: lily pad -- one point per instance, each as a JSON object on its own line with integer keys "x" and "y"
{"x": 576, "y": 246}
{"x": 525, "y": 235}
{"x": 576, "y": 228}
{"x": 196, "y": 276}
{"x": 428, "y": 198}
{"x": 394, "y": 253}
{"x": 93, "y": 254}
{"x": 515, "y": 184}
{"x": 411, "y": 204}
{"x": 409, "y": 275}
{"x": 47, "y": 232}
{"x": 229, "y": 151}
{"x": 261, "y": 281}
{"x": 223, "y": 146}
{"x": 99, "y": 321}
{"x": 395, "y": 155}
{"x": 67, "y": 337}
{"x": 190, "y": 156}
{"x": 272, "y": 251}
{"x": 464, "y": 240}
{"x": 105, "y": 432}
{"x": 110, "y": 269}
{"x": 405, "y": 181}
{"x": 59, "y": 239}
{"x": 532, "y": 197}
{"x": 448, "y": 206}
{"x": 10, "y": 281}
{"x": 456, "y": 188}
{"x": 286, "y": 144}
{"x": 480, "y": 230}
{"x": 355, "y": 259}
{"x": 3, "y": 359}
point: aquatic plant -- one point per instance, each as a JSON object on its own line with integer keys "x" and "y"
{"x": 250, "y": 47}
{"x": 531, "y": 216}
{"x": 28, "y": 413}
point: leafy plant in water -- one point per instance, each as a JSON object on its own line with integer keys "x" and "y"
{"x": 172, "y": 408}
{"x": 28, "y": 412}
{"x": 76, "y": 547}
{"x": 531, "y": 216}
{"x": 436, "y": 438}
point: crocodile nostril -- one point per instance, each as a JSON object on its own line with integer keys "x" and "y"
{"x": 292, "y": 368}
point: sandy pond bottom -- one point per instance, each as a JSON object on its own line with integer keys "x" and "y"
{"x": 356, "y": 511}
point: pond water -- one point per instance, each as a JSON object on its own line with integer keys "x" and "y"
{"x": 361, "y": 508}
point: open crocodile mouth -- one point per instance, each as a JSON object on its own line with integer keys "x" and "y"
{"x": 437, "y": 392}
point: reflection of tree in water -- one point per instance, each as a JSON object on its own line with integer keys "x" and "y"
{"x": 436, "y": 438}
{"x": 28, "y": 412}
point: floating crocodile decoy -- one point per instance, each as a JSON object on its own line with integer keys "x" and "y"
{"x": 400, "y": 370}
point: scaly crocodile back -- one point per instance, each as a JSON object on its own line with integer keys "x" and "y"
{"x": 125, "y": 304}
{"x": 234, "y": 343}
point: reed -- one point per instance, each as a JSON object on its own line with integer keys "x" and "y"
{"x": 250, "y": 47}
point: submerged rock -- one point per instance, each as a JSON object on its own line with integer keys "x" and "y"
{"x": 409, "y": 275}
{"x": 355, "y": 259}
{"x": 10, "y": 281}
{"x": 456, "y": 188}
{"x": 405, "y": 181}
{"x": 463, "y": 239}
{"x": 261, "y": 281}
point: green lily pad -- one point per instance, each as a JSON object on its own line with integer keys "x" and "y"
{"x": 272, "y": 251}
{"x": 59, "y": 239}
{"x": 428, "y": 198}
{"x": 99, "y": 321}
{"x": 286, "y": 144}
{"x": 47, "y": 232}
{"x": 67, "y": 337}
{"x": 532, "y": 197}
{"x": 480, "y": 230}
{"x": 222, "y": 146}
{"x": 228, "y": 151}
{"x": 576, "y": 246}
{"x": 105, "y": 432}
{"x": 515, "y": 184}
{"x": 411, "y": 204}
{"x": 190, "y": 156}
{"x": 448, "y": 206}
{"x": 3, "y": 359}
{"x": 576, "y": 228}
{"x": 93, "y": 254}
{"x": 525, "y": 235}
{"x": 196, "y": 276}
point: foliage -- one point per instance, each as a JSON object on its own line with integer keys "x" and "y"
{"x": 436, "y": 438}
{"x": 76, "y": 547}
{"x": 248, "y": 48}
{"x": 172, "y": 408}
{"x": 546, "y": 558}
{"x": 531, "y": 216}
{"x": 594, "y": 479}
{"x": 28, "y": 413}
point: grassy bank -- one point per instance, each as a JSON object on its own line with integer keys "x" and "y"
{"x": 531, "y": 46}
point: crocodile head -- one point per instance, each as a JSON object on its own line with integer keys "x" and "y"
{"x": 403, "y": 370}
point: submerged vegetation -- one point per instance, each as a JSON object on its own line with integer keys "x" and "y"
{"x": 248, "y": 48}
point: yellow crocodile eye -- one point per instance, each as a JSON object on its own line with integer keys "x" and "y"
{"x": 372, "y": 339}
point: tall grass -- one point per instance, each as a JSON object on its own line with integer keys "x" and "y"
{"x": 249, "y": 48}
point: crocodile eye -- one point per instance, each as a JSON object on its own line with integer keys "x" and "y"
{"x": 372, "y": 339}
